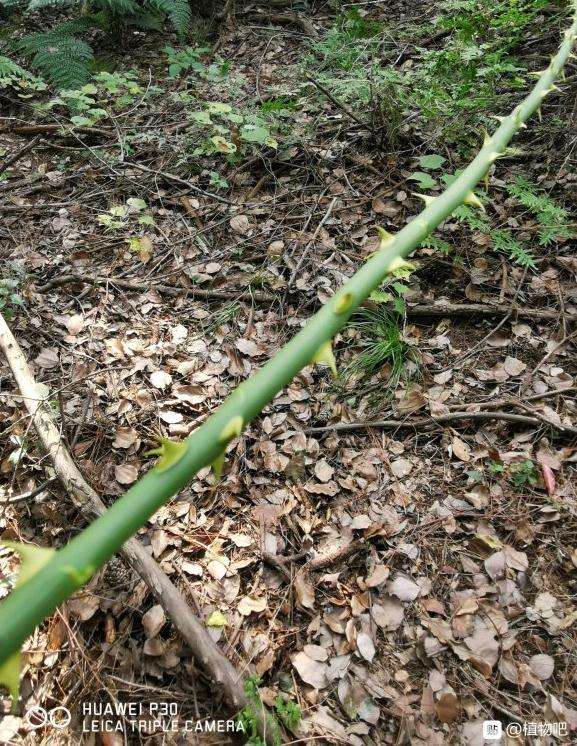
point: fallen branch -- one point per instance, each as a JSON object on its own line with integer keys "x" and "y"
{"x": 480, "y": 309}
{"x": 339, "y": 104}
{"x": 417, "y": 311}
{"x": 15, "y": 157}
{"x": 141, "y": 287}
{"x": 43, "y": 129}
{"x": 286, "y": 17}
{"x": 190, "y": 628}
{"x": 518, "y": 419}
{"x": 177, "y": 180}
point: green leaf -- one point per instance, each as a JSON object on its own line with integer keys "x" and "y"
{"x": 379, "y": 297}
{"x": 202, "y": 117}
{"x": 216, "y": 619}
{"x": 254, "y": 133}
{"x": 216, "y": 107}
{"x": 431, "y": 161}
{"x": 222, "y": 145}
{"x": 136, "y": 203}
{"x": 423, "y": 180}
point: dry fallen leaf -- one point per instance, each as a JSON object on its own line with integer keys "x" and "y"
{"x": 323, "y": 471}
{"x": 125, "y": 473}
{"x": 513, "y": 366}
{"x": 311, "y": 671}
{"x": 160, "y": 379}
{"x": 404, "y": 588}
{"x": 389, "y": 613}
{"x": 461, "y": 450}
{"x": 401, "y": 467}
{"x": 75, "y": 324}
{"x": 379, "y": 575}
{"x": 240, "y": 224}
{"x": 304, "y": 589}
{"x": 153, "y": 621}
{"x": 124, "y": 437}
{"x": 248, "y": 605}
{"x": 84, "y": 605}
{"x": 48, "y": 358}
{"x": 447, "y": 708}
{"x": 366, "y": 646}
{"x": 542, "y": 666}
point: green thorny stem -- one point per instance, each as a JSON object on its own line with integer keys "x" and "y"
{"x": 61, "y": 573}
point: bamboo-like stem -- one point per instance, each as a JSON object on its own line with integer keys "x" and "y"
{"x": 35, "y": 599}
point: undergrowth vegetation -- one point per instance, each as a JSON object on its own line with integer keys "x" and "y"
{"x": 63, "y": 53}
{"x": 468, "y": 65}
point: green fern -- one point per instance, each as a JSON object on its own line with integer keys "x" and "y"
{"x": 553, "y": 219}
{"x": 504, "y": 242}
{"x": 178, "y": 11}
{"x": 13, "y": 74}
{"x": 10, "y": 69}
{"x": 65, "y": 60}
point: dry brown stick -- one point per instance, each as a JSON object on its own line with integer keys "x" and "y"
{"x": 481, "y": 309}
{"x": 177, "y": 180}
{"x": 303, "y": 256}
{"x": 34, "y": 129}
{"x": 206, "y": 652}
{"x": 12, "y": 159}
{"x": 328, "y": 558}
{"x": 417, "y": 311}
{"x": 441, "y": 419}
{"x": 166, "y": 289}
{"x": 510, "y": 401}
{"x": 337, "y": 103}
{"x": 287, "y": 17}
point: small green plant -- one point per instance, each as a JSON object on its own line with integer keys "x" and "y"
{"x": 185, "y": 60}
{"x": 286, "y": 712}
{"x": 524, "y": 474}
{"x": 10, "y": 296}
{"x": 107, "y": 93}
{"x": 12, "y": 75}
{"x": 553, "y": 219}
{"x": 496, "y": 468}
{"x": 382, "y": 344}
{"x": 229, "y": 130}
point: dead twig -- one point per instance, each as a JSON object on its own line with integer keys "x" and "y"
{"x": 518, "y": 419}
{"x": 177, "y": 180}
{"x": 12, "y": 159}
{"x": 193, "y": 632}
{"x": 303, "y": 256}
{"x": 42, "y": 129}
{"x": 337, "y": 103}
{"x": 140, "y": 287}
{"x": 28, "y": 495}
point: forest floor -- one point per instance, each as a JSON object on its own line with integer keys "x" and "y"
{"x": 401, "y": 583}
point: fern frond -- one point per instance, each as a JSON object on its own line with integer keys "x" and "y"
{"x": 124, "y": 10}
{"x": 10, "y": 69}
{"x": 504, "y": 242}
{"x": 553, "y": 219}
{"x": 178, "y": 11}
{"x": 64, "y": 60}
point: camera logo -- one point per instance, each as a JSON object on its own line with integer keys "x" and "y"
{"x": 57, "y": 717}
{"x": 492, "y": 730}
